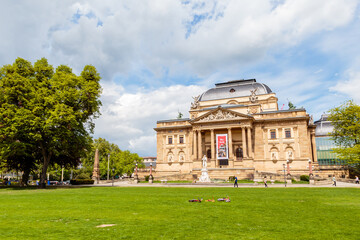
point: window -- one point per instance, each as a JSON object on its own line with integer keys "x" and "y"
{"x": 273, "y": 134}
{"x": 181, "y": 139}
{"x": 208, "y": 154}
{"x": 239, "y": 153}
{"x": 288, "y": 133}
{"x": 170, "y": 140}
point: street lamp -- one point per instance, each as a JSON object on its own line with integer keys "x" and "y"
{"x": 288, "y": 167}
{"x": 310, "y": 168}
{"x": 108, "y": 166}
{"x": 136, "y": 175}
{"x": 151, "y": 176}
{"x": 113, "y": 170}
{"x": 284, "y": 174}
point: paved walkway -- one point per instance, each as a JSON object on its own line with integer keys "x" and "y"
{"x": 223, "y": 185}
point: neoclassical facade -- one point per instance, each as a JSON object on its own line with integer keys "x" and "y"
{"x": 238, "y": 126}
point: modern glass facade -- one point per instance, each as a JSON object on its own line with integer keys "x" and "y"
{"x": 325, "y": 154}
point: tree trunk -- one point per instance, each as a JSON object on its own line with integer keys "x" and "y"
{"x": 25, "y": 178}
{"x": 44, "y": 167}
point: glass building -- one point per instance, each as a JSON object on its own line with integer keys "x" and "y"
{"x": 324, "y": 143}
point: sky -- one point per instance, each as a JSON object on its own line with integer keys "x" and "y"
{"x": 153, "y": 56}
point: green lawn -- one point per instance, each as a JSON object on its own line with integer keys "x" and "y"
{"x": 165, "y": 213}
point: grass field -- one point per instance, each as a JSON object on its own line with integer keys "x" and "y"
{"x": 165, "y": 213}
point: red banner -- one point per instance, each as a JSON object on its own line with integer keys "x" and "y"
{"x": 221, "y": 146}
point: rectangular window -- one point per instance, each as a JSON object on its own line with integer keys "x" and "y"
{"x": 288, "y": 133}
{"x": 181, "y": 139}
{"x": 170, "y": 140}
{"x": 273, "y": 134}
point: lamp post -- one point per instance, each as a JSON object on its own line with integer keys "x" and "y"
{"x": 151, "y": 176}
{"x": 136, "y": 175}
{"x": 62, "y": 174}
{"x": 311, "y": 175}
{"x": 288, "y": 167}
{"x": 108, "y": 167}
{"x": 284, "y": 174}
{"x": 113, "y": 170}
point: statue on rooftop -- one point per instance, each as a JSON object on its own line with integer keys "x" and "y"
{"x": 253, "y": 98}
{"x": 195, "y": 104}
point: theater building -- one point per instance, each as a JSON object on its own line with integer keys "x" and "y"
{"x": 238, "y": 126}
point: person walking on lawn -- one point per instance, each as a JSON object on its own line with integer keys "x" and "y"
{"x": 265, "y": 181}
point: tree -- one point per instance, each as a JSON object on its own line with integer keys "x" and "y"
{"x": 346, "y": 133}
{"x": 123, "y": 162}
{"x": 48, "y": 113}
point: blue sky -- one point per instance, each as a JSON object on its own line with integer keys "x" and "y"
{"x": 153, "y": 56}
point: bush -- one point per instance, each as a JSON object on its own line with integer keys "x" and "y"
{"x": 147, "y": 178}
{"x": 304, "y": 178}
{"x": 232, "y": 178}
{"x": 83, "y": 176}
{"x": 81, "y": 181}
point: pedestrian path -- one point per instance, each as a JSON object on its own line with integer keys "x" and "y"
{"x": 223, "y": 185}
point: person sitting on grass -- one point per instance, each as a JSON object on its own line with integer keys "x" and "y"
{"x": 196, "y": 200}
{"x": 227, "y": 199}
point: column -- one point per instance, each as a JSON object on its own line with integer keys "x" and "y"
{"x": 194, "y": 144}
{"x": 244, "y": 142}
{"x": 199, "y": 145}
{"x": 231, "y": 155}
{"x": 250, "y": 143}
{"x": 212, "y": 144}
{"x": 313, "y": 143}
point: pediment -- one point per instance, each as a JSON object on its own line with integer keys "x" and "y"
{"x": 221, "y": 114}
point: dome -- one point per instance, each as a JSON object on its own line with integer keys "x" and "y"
{"x": 234, "y": 89}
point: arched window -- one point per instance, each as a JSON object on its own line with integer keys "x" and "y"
{"x": 239, "y": 153}
{"x": 208, "y": 154}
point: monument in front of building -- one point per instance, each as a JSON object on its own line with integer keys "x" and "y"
{"x": 238, "y": 126}
{"x": 204, "y": 172}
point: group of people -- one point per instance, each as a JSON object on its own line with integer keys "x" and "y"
{"x": 236, "y": 182}
{"x": 265, "y": 181}
{"x": 199, "y": 200}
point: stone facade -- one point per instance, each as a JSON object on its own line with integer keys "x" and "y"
{"x": 260, "y": 137}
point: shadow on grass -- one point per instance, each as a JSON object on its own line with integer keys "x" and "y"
{"x": 18, "y": 188}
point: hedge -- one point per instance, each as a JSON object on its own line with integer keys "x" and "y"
{"x": 81, "y": 181}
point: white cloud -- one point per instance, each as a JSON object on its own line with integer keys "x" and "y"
{"x": 128, "y": 119}
{"x": 350, "y": 85}
{"x": 207, "y": 40}
{"x": 154, "y": 34}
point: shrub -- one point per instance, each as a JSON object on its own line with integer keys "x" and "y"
{"x": 81, "y": 181}
{"x": 147, "y": 178}
{"x": 83, "y": 176}
{"x": 231, "y": 178}
{"x": 304, "y": 178}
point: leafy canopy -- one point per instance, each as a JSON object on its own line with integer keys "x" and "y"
{"x": 346, "y": 133}
{"x": 46, "y": 114}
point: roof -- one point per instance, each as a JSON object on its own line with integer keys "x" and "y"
{"x": 233, "y": 89}
{"x": 323, "y": 126}
{"x": 174, "y": 120}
